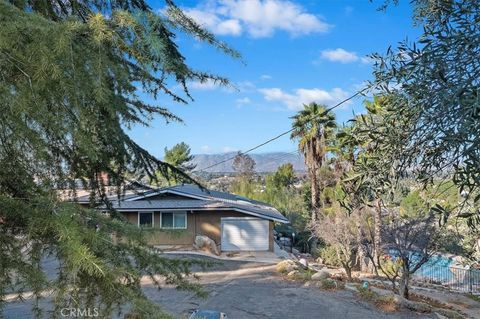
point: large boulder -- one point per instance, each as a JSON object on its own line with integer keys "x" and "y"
{"x": 320, "y": 275}
{"x": 303, "y": 262}
{"x": 207, "y": 244}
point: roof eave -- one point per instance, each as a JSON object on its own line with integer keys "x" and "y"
{"x": 283, "y": 221}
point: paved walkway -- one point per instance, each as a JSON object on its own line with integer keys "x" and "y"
{"x": 249, "y": 256}
{"x": 261, "y": 257}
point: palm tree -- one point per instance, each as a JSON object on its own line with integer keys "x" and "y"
{"x": 313, "y": 127}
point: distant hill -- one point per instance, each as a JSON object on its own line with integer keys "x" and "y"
{"x": 265, "y": 162}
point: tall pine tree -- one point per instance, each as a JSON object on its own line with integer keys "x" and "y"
{"x": 70, "y": 77}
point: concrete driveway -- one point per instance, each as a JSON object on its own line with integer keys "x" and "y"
{"x": 246, "y": 290}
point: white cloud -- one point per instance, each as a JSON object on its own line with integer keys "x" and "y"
{"x": 295, "y": 100}
{"x": 258, "y": 18}
{"x": 214, "y": 23}
{"x": 339, "y": 55}
{"x": 206, "y": 85}
{"x": 243, "y": 101}
{"x": 265, "y": 77}
{"x": 230, "y": 26}
{"x": 343, "y": 56}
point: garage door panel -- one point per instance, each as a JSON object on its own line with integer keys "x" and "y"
{"x": 244, "y": 234}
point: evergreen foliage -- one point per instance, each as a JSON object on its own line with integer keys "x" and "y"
{"x": 284, "y": 177}
{"x": 313, "y": 128}
{"x": 71, "y": 74}
{"x": 180, "y": 157}
{"x": 439, "y": 77}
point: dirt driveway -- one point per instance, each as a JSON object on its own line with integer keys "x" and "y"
{"x": 246, "y": 290}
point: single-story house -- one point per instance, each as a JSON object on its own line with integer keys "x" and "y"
{"x": 176, "y": 215}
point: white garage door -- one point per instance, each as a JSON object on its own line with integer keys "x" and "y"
{"x": 244, "y": 233}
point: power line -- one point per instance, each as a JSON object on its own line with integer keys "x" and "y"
{"x": 284, "y": 133}
{"x": 287, "y": 155}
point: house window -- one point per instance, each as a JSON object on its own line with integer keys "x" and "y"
{"x": 174, "y": 220}
{"x": 145, "y": 219}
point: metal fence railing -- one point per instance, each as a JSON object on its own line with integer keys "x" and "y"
{"x": 459, "y": 279}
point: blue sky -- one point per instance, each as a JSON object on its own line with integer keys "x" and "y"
{"x": 294, "y": 52}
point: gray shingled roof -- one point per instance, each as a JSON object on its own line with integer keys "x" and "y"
{"x": 205, "y": 200}
{"x": 85, "y": 199}
{"x": 132, "y": 189}
{"x": 190, "y": 189}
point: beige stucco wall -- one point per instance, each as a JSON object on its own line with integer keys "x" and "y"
{"x": 198, "y": 223}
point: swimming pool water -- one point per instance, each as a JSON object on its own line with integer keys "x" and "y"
{"x": 437, "y": 268}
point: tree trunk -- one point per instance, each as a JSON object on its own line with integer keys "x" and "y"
{"x": 377, "y": 231}
{"x": 363, "y": 262}
{"x": 315, "y": 194}
{"x": 404, "y": 282}
{"x": 477, "y": 246}
{"x": 348, "y": 271}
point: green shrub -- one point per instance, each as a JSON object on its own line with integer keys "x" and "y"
{"x": 328, "y": 284}
{"x": 301, "y": 274}
{"x": 329, "y": 256}
{"x": 367, "y": 294}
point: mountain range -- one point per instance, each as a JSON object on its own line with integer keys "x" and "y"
{"x": 264, "y": 162}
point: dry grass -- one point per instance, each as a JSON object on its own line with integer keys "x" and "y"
{"x": 286, "y": 266}
{"x": 432, "y": 302}
{"x": 387, "y": 304}
{"x": 384, "y": 303}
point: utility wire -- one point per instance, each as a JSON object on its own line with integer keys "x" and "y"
{"x": 287, "y": 155}
{"x": 284, "y": 133}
